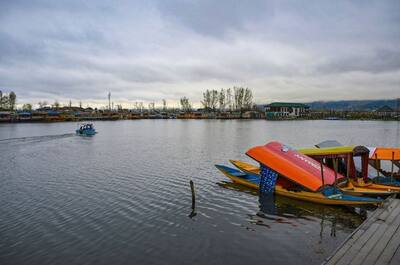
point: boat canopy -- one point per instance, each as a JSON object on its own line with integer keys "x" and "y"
{"x": 384, "y": 153}
{"x": 293, "y": 165}
{"x": 347, "y": 153}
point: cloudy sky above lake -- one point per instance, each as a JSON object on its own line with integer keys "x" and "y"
{"x": 158, "y": 49}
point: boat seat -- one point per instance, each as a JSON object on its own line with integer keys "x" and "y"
{"x": 335, "y": 196}
{"x": 238, "y": 174}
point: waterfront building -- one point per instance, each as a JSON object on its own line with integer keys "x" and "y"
{"x": 285, "y": 110}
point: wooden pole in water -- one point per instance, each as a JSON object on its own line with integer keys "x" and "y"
{"x": 193, "y": 213}
{"x": 335, "y": 167}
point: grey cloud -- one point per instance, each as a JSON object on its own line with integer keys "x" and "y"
{"x": 159, "y": 49}
{"x": 216, "y": 17}
{"x": 378, "y": 61}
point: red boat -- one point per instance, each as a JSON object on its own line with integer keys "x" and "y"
{"x": 294, "y": 165}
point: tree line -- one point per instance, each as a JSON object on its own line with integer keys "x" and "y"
{"x": 231, "y": 99}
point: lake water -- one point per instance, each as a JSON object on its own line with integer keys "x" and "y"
{"x": 123, "y": 196}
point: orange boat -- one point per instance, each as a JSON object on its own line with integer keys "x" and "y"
{"x": 294, "y": 165}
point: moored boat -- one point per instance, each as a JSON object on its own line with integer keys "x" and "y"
{"x": 346, "y": 187}
{"x": 359, "y": 175}
{"x": 328, "y": 196}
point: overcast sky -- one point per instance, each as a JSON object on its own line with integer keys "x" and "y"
{"x": 154, "y": 49}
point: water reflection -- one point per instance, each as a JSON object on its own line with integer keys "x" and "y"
{"x": 277, "y": 210}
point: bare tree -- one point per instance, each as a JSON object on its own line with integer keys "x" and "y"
{"x": 70, "y": 104}
{"x": 221, "y": 99}
{"x": 42, "y": 104}
{"x": 185, "y": 104}
{"x": 56, "y": 104}
{"x": 151, "y": 106}
{"x": 248, "y": 99}
{"x": 214, "y": 99}
{"x": 228, "y": 99}
{"x": 164, "y": 102}
{"x": 12, "y": 100}
{"x": 27, "y": 107}
{"x": 206, "y": 102}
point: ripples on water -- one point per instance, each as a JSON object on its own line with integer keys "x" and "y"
{"x": 123, "y": 196}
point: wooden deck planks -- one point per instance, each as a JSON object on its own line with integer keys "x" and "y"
{"x": 376, "y": 241}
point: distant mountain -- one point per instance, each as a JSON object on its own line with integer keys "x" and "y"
{"x": 353, "y": 104}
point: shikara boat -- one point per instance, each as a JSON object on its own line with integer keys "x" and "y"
{"x": 329, "y": 196}
{"x": 346, "y": 187}
{"x": 371, "y": 156}
{"x": 392, "y": 155}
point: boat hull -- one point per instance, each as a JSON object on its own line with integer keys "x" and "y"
{"x": 251, "y": 182}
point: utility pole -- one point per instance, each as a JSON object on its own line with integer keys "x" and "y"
{"x": 109, "y": 101}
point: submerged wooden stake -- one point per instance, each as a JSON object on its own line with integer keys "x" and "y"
{"x": 193, "y": 213}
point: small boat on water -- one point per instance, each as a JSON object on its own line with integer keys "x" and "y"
{"x": 347, "y": 187}
{"x": 86, "y": 129}
{"x": 328, "y": 196}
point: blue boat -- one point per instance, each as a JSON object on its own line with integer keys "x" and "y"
{"x": 86, "y": 129}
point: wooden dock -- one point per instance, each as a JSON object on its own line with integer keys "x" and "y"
{"x": 376, "y": 241}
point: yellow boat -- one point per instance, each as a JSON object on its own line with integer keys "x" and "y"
{"x": 251, "y": 181}
{"x": 346, "y": 187}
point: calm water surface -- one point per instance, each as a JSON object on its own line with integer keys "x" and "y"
{"x": 123, "y": 196}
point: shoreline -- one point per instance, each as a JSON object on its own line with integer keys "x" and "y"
{"x": 124, "y": 119}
